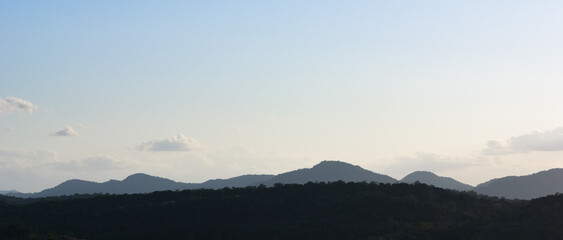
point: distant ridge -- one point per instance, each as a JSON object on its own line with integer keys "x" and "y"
{"x": 71, "y": 186}
{"x": 513, "y": 187}
{"x": 430, "y": 178}
{"x": 7, "y": 192}
{"x": 524, "y": 187}
{"x": 136, "y": 183}
{"x": 13, "y": 193}
{"x": 326, "y": 171}
{"x": 330, "y": 171}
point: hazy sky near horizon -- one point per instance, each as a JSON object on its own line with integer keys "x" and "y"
{"x": 196, "y": 90}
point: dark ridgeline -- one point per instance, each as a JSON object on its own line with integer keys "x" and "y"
{"x": 331, "y": 200}
{"x": 336, "y": 210}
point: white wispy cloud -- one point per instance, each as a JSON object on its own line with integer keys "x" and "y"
{"x": 551, "y": 140}
{"x": 66, "y": 132}
{"x": 24, "y": 159}
{"x": 176, "y": 143}
{"x": 434, "y": 162}
{"x": 100, "y": 163}
{"x": 35, "y": 170}
{"x": 25, "y": 170}
{"x": 10, "y": 104}
{"x": 9, "y": 129}
{"x": 238, "y": 129}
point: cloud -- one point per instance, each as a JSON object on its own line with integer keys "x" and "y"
{"x": 177, "y": 143}
{"x": 27, "y": 170}
{"x": 67, "y": 132}
{"x": 499, "y": 148}
{"x": 435, "y": 162}
{"x": 10, "y": 104}
{"x": 35, "y": 170}
{"x": 102, "y": 163}
{"x": 9, "y": 129}
{"x": 545, "y": 141}
{"x": 16, "y": 159}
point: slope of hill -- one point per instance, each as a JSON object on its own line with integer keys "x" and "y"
{"x": 14, "y": 193}
{"x": 435, "y": 180}
{"x": 136, "y": 183}
{"x": 524, "y": 187}
{"x": 240, "y": 181}
{"x": 8, "y": 192}
{"x": 330, "y": 171}
{"x": 71, "y": 187}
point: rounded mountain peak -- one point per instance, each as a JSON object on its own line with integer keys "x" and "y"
{"x": 137, "y": 176}
{"x": 332, "y": 163}
{"x": 421, "y": 174}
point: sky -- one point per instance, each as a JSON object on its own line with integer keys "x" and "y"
{"x": 198, "y": 90}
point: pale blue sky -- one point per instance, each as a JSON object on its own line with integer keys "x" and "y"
{"x": 235, "y": 87}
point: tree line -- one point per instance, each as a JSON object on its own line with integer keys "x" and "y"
{"x": 335, "y": 210}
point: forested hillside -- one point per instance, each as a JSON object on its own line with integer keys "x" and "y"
{"x": 335, "y": 210}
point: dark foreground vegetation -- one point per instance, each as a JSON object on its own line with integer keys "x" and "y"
{"x": 286, "y": 211}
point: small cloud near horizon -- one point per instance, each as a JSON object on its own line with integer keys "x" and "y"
{"x": 541, "y": 141}
{"x": 237, "y": 128}
{"x": 434, "y": 162}
{"x": 178, "y": 143}
{"x": 67, "y": 132}
{"x": 100, "y": 163}
{"x": 10, "y": 104}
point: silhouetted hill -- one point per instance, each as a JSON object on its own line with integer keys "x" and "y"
{"x": 8, "y": 192}
{"x": 14, "y": 193}
{"x": 143, "y": 183}
{"x": 330, "y": 171}
{"x": 74, "y": 186}
{"x": 524, "y": 187}
{"x": 136, "y": 183}
{"x": 240, "y": 181}
{"x": 435, "y": 180}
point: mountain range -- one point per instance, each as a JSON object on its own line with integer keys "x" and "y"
{"x": 521, "y": 187}
{"x": 524, "y": 187}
